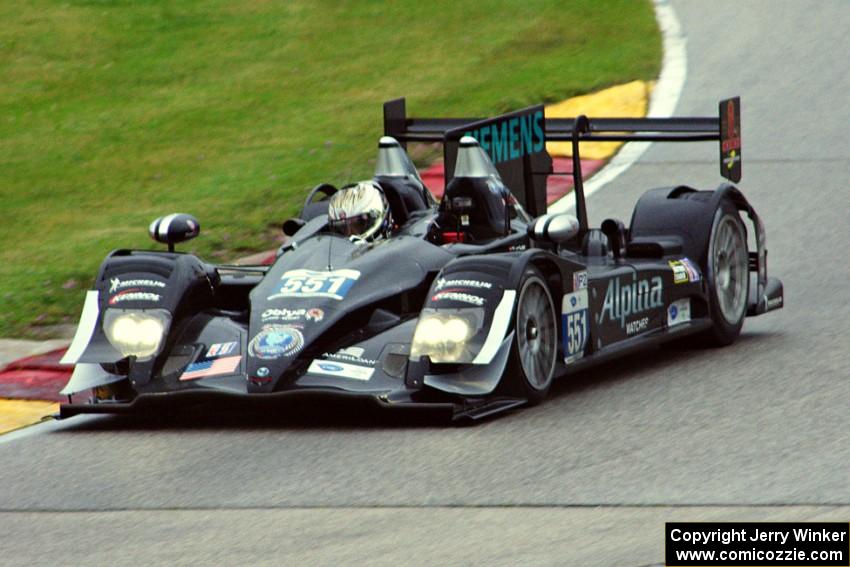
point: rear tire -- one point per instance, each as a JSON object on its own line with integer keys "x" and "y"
{"x": 727, "y": 272}
{"x": 534, "y": 352}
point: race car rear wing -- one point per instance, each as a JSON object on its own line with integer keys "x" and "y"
{"x": 516, "y": 142}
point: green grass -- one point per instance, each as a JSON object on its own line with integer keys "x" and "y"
{"x": 115, "y": 112}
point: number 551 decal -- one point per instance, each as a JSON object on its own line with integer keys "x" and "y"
{"x": 309, "y": 283}
{"x": 574, "y": 324}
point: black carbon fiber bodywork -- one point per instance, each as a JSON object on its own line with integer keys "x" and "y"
{"x": 336, "y": 317}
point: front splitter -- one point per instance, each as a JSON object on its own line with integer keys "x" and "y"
{"x": 227, "y": 402}
{"x": 232, "y": 402}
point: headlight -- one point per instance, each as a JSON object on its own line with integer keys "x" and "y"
{"x": 136, "y": 332}
{"x": 445, "y": 335}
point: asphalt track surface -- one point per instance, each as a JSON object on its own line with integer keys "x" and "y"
{"x": 756, "y": 431}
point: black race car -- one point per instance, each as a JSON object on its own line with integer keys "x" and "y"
{"x": 474, "y": 305}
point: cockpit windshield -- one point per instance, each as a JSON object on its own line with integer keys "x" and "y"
{"x": 393, "y": 161}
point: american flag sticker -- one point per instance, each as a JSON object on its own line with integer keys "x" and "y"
{"x": 220, "y": 349}
{"x": 204, "y": 368}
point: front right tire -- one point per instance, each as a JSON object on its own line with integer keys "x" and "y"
{"x": 534, "y": 353}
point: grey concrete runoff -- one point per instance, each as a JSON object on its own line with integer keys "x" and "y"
{"x": 756, "y": 431}
{"x": 14, "y": 349}
{"x": 616, "y": 536}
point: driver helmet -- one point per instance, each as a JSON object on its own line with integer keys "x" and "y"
{"x": 360, "y": 211}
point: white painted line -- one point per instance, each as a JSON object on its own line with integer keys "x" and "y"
{"x": 674, "y": 68}
{"x": 662, "y": 103}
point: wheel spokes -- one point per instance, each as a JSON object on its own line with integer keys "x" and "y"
{"x": 730, "y": 267}
{"x": 536, "y": 349}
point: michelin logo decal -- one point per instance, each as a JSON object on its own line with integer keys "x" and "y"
{"x": 116, "y": 284}
{"x": 443, "y": 282}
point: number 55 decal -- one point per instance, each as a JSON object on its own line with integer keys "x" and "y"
{"x": 574, "y": 325}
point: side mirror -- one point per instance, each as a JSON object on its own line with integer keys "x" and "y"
{"x": 293, "y": 225}
{"x": 555, "y": 227}
{"x": 175, "y": 228}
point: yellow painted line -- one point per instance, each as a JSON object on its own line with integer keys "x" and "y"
{"x": 630, "y": 100}
{"x": 15, "y": 414}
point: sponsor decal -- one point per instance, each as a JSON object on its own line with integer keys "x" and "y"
{"x": 452, "y": 295}
{"x": 774, "y": 303}
{"x": 680, "y": 274}
{"x": 309, "y": 283}
{"x": 574, "y": 309}
{"x": 274, "y": 341}
{"x": 285, "y": 314}
{"x": 116, "y": 284}
{"x": 580, "y": 280}
{"x": 221, "y": 349}
{"x": 732, "y": 138}
{"x": 340, "y": 369}
{"x": 351, "y": 354}
{"x": 622, "y": 300}
{"x": 684, "y": 271}
{"x": 443, "y": 282}
{"x": 679, "y": 312}
{"x": 213, "y": 367}
{"x": 511, "y": 138}
{"x": 693, "y": 271}
{"x": 133, "y": 295}
{"x": 637, "y": 326}
{"x": 517, "y": 247}
{"x": 732, "y": 159}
